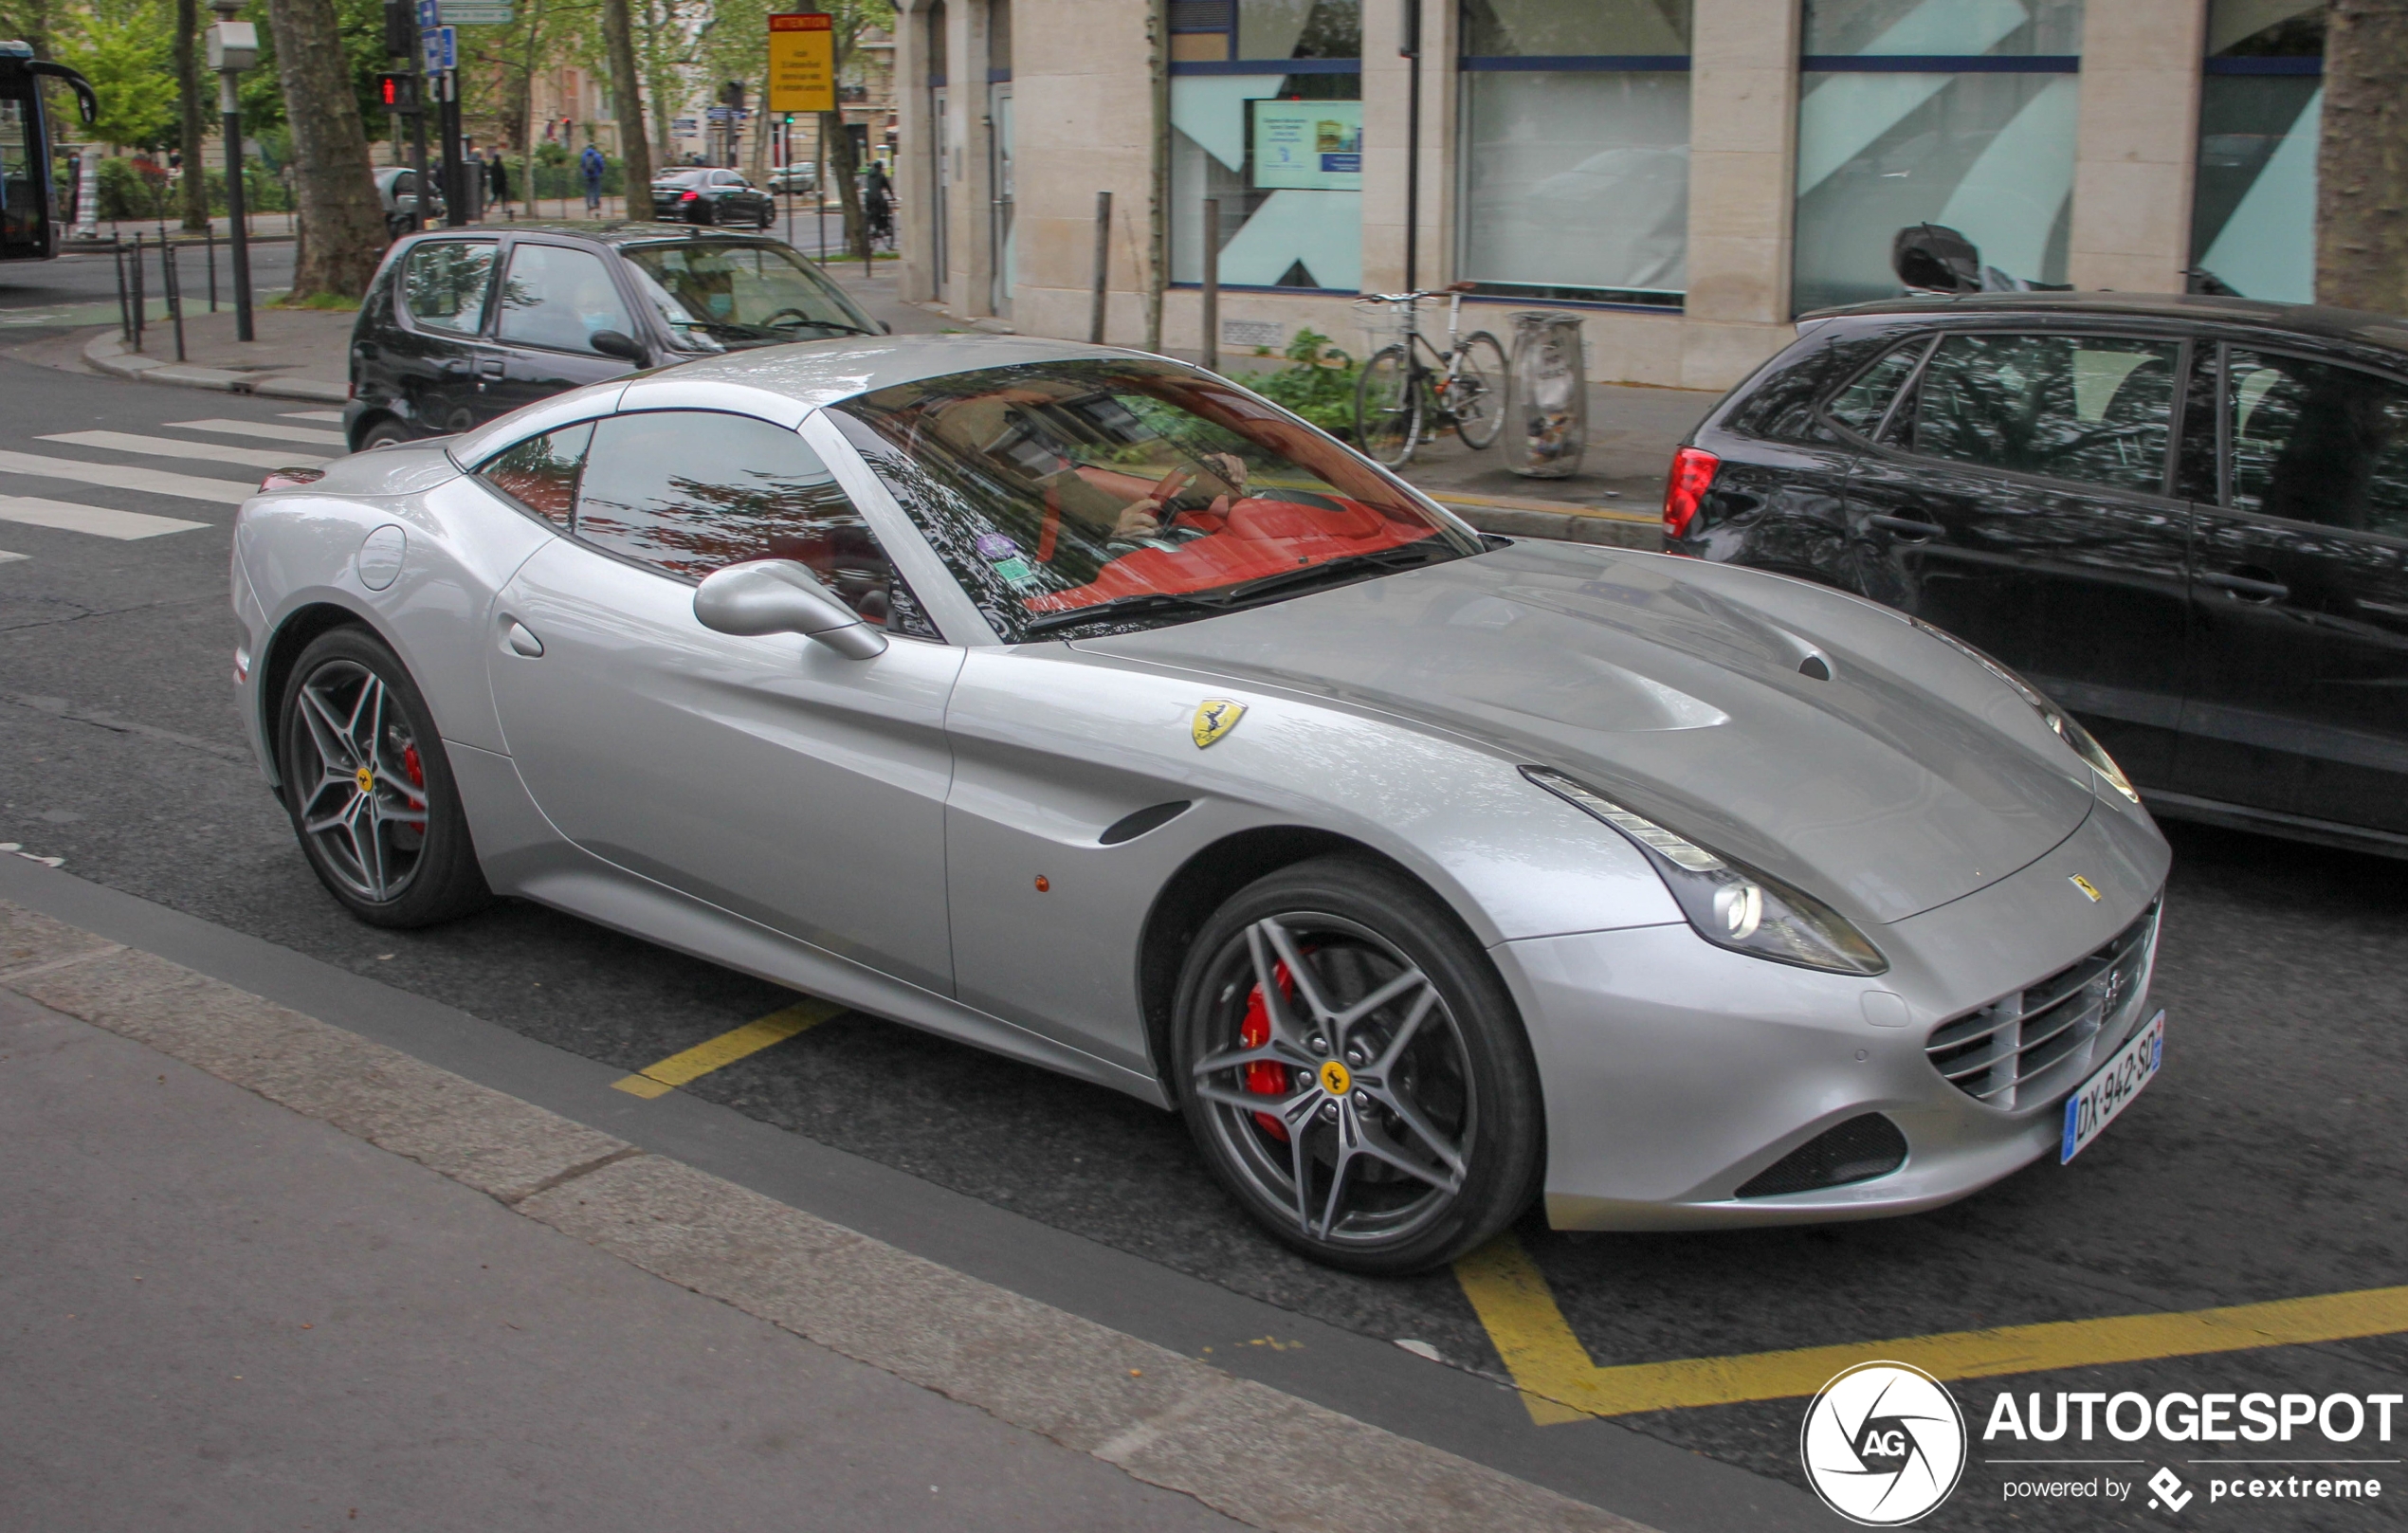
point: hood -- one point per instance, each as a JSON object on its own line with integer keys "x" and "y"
{"x": 1672, "y": 687}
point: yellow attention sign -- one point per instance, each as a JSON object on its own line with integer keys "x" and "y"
{"x": 802, "y": 62}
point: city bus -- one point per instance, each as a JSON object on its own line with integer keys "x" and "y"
{"x": 28, "y": 215}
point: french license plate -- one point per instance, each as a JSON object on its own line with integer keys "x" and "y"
{"x": 2109, "y": 1091}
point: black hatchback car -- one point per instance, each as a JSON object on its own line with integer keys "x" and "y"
{"x": 710, "y": 196}
{"x": 2185, "y": 519}
{"x": 461, "y": 325}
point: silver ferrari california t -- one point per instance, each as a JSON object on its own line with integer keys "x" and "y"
{"x": 1084, "y": 706}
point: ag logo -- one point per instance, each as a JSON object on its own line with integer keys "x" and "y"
{"x": 1884, "y": 1444}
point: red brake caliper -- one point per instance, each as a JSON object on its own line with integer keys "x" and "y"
{"x": 1262, "y": 1078}
{"x": 417, "y": 773}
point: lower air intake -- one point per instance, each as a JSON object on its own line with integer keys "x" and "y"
{"x": 1857, "y": 1150}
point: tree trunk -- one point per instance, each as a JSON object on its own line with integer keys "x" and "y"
{"x": 341, "y": 227}
{"x": 2361, "y": 165}
{"x": 839, "y": 166}
{"x": 188, "y": 84}
{"x": 627, "y": 99}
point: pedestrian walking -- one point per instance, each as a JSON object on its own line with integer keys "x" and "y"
{"x": 591, "y": 163}
{"x": 500, "y": 173}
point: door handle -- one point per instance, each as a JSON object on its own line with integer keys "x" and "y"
{"x": 2246, "y": 588}
{"x": 454, "y": 367}
{"x": 1910, "y": 527}
{"x": 489, "y": 367}
{"x": 521, "y": 640}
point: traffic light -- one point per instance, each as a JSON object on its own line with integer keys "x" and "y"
{"x": 398, "y": 92}
{"x": 733, "y": 96}
{"x": 401, "y": 29}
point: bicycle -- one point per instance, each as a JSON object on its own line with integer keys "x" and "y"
{"x": 1400, "y": 400}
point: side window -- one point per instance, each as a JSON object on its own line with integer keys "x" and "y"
{"x": 559, "y": 298}
{"x": 443, "y": 284}
{"x": 542, "y": 472}
{"x": 1861, "y": 406}
{"x": 688, "y": 492}
{"x": 2090, "y": 408}
{"x": 2318, "y": 443}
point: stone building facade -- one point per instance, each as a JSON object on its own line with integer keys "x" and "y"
{"x": 1688, "y": 175}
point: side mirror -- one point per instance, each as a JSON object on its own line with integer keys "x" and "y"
{"x": 782, "y": 597}
{"x": 614, "y": 343}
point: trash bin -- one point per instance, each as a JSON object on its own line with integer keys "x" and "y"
{"x": 1547, "y": 396}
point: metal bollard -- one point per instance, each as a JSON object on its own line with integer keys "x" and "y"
{"x": 174, "y": 291}
{"x": 211, "y": 235}
{"x": 124, "y": 312}
{"x": 1212, "y": 301}
{"x": 1102, "y": 265}
{"x": 140, "y": 305}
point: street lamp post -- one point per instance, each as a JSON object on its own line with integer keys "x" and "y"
{"x": 233, "y": 47}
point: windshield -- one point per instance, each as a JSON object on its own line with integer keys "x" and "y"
{"x": 715, "y": 293}
{"x": 1087, "y": 497}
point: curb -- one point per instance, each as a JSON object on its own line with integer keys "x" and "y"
{"x": 108, "y": 353}
{"x": 1253, "y": 1452}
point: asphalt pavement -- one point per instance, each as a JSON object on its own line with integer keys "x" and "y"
{"x": 2267, "y": 1162}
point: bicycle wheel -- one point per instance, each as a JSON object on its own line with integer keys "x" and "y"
{"x": 1388, "y": 408}
{"x": 1475, "y": 394}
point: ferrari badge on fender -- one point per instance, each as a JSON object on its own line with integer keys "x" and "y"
{"x": 1215, "y": 717}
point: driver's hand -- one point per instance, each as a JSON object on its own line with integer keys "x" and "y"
{"x": 1139, "y": 518}
{"x": 1231, "y": 470}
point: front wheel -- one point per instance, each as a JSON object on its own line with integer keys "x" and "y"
{"x": 1388, "y": 408}
{"x": 1355, "y": 1071}
{"x": 1475, "y": 395}
{"x": 369, "y": 787}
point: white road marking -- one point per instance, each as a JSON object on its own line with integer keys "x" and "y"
{"x": 168, "y": 446}
{"x": 269, "y": 430}
{"x": 7, "y": 558}
{"x": 312, "y": 414}
{"x": 127, "y": 477}
{"x": 97, "y": 519}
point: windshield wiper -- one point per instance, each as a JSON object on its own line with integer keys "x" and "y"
{"x": 825, "y": 324}
{"x": 1404, "y": 557}
{"x": 1144, "y": 601}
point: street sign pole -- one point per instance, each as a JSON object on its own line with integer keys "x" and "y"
{"x": 233, "y": 47}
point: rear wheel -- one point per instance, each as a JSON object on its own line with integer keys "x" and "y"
{"x": 1475, "y": 396}
{"x": 369, "y": 787}
{"x": 1387, "y": 408}
{"x": 385, "y": 433}
{"x": 1354, "y": 1069}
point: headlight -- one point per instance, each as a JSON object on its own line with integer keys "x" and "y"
{"x": 2093, "y": 755}
{"x": 1730, "y": 903}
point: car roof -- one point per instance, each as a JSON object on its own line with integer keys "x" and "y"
{"x": 614, "y": 234}
{"x": 2307, "y": 319}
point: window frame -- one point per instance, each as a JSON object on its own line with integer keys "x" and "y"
{"x": 2224, "y": 345}
{"x": 484, "y": 312}
{"x": 2184, "y": 345}
{"x": 1928, "y": 339}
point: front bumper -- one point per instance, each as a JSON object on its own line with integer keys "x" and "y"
{"x": 1675, "y": 1071}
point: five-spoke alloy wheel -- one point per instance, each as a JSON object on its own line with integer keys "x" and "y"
{"x": 1354, "y": 1069}
{"x": 369, "y": 786}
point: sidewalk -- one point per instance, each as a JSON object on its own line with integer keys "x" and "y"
{"x": 269, "y": 1273}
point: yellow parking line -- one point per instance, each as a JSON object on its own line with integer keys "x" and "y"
{"x": 1560, "y": 1383}
{"x": 676, "y": 1070}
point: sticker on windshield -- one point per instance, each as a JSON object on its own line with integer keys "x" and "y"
{"x": 1015, "y": 571}
{"x": 994, "y": 546}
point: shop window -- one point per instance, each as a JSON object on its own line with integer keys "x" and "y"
{"x": 2261, "y": 104}
{"x": 1954, "y": 112}
{"x": 1267, "y": 117}
{"x": 1575, "y": 147}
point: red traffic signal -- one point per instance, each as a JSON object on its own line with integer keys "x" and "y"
{"x": 398, "y": 92}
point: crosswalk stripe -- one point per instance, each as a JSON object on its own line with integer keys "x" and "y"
{"x": 310, "y": 414}
{"x": 128, "y": 477}
{"x": 7, "y": 558}
{"x": 168, "y": 446}
{"x": 268, "y": 429}
{"x": 97, "y": 519}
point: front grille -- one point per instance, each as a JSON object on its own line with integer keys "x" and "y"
{"x": 2027, "y": 1046}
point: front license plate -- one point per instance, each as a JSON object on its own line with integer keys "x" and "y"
{"x": 2111, "y": 1090}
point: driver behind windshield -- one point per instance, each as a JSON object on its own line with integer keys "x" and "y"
{"x": 1035, "y": 437}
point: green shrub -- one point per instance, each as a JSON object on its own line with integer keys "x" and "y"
{"x": 1320, "y": 387}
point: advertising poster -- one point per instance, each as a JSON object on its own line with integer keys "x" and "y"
{"x": 1309, "y": 146}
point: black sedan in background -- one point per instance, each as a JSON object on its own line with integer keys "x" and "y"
{"x": 461, "y": 325}
{"x": 709, "y": 196}
{"x": 2185, "y": 519}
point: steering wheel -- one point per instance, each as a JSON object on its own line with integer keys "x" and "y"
{"x": 1170, "y": 485}
{"x": 800, "y": 318}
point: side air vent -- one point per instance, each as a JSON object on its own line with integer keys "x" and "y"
{"x": 1814, "y": 668}
{"x": 1130, "y": 827}
{"x": 1858, "y": 1150}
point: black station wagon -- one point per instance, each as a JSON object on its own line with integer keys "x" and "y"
{"x": 2185, "y": 519}
{"x": 462, "y": 325}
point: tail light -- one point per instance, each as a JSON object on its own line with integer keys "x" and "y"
{"x": 1692, "y": 475}
{"x": 691, "y": 196}
{"x": 290, "y": 479}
